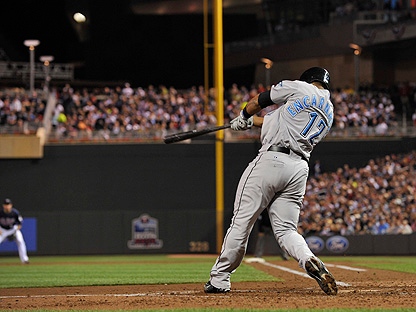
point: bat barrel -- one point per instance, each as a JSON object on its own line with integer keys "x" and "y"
{"x": 191, "y": 134}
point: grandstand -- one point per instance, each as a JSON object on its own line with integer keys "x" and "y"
{"x": 83, "y": 152}
{"x": 382, "y": 63}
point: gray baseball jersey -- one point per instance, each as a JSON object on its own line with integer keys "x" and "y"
{"x": 276, "y": 180}
{"x": 302, "y": 121}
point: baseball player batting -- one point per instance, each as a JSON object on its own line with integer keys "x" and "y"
{"x": 10, "y": 225}
{"x": 276, "y": 178}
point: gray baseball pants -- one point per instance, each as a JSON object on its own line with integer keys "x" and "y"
{"x": 276, "y": 181}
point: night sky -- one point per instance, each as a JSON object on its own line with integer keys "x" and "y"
{"x": 141, "y": 49}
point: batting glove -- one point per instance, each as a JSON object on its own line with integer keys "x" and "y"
{"x": 241, "y": 122}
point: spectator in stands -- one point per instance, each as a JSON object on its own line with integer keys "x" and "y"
{"x": 381, "y": 127}
{"x": 127, "y": 90}
{"x": 405, "y": 227}
{"x": 413, "y": 218}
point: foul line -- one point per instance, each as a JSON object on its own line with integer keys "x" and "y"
{"x": 345, "y": 267}
{"x": 282, "y": 268}
{"x": 106, "y": 295}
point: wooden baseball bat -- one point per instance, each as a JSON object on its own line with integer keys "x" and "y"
{"x": 181, "y": 136}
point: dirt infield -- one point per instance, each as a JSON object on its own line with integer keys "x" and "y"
{"x": 358, "y": 288}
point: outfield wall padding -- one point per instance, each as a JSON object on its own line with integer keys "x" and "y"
{"x": 85, "y": 197}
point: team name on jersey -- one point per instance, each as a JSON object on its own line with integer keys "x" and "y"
{"x": 307, "y": 101}
{"x": 7, "y": 221}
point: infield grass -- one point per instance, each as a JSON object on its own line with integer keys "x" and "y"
{"x": 115, "y": 270}
{"x": 48, "y": 271}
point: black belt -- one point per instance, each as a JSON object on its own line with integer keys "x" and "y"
{"x": 275, "y": 148}
{"x": 285, "y": 150}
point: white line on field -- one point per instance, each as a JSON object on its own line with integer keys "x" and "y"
{"x": 106, "y": 295}
{"x": 345, "y": 267}
{"x": 282, "y": 268}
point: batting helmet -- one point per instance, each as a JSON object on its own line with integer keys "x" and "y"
{"x": 316, "y": 74}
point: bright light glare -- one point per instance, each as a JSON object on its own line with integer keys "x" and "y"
{"x": 79, "y": 17}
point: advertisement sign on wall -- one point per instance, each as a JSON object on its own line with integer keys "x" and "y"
{"x": 29, "y": 231}
{"x": 145, "y": 233}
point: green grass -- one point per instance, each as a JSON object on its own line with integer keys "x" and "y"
{"x": 115, "y": 270}
{"x": 149, "y": 269}
{"x": 47, "y": 271}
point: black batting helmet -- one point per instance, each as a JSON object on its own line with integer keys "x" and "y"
{"x": 316, "y": 74}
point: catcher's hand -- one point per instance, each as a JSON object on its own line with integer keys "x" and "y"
{"x": 241, "y": 123}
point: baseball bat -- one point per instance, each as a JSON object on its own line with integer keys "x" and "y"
{"x": 181, "y": 136}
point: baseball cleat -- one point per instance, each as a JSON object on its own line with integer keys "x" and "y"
{"x": 209, "y": 289}
{"x": 317, "y": 270}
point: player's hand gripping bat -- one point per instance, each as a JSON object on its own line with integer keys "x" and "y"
{"x": 181, "y": 136}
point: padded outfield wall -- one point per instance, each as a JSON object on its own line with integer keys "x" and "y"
{"x": 151, "y": 198}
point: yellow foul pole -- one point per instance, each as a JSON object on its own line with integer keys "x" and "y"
{"x": 206, "y": 50}
{"x": 219, "y": 143}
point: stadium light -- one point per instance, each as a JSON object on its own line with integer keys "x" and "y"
{"x": 47, "y": 59}
{"x": 79, "y": 17}
{"x": 31, "y": 44}
{"x": 357, "y": 52}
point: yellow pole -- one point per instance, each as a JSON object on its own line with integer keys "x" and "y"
{"x": 219, "y": 143}
{"x": 206, "y": 62}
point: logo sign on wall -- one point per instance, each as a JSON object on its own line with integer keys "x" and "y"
{"x": 337, "y": 244}
{"x": 145, "y": 233}
{"x": 315, "y": 243}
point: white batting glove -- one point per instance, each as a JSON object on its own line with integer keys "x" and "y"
{"x": 241, "y": 122}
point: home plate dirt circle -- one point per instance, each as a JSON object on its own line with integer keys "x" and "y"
{"x": 357, "y": 288}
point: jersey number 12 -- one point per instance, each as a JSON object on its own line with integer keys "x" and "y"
{"x": 320, "y": 124}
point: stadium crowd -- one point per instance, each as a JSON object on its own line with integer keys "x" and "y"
{"x": 154, "y": 111}
{"x": 376, "y": 199}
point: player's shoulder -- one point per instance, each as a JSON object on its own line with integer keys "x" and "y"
{"x": 15, "y": 211}
{"x": 287, "y": 83}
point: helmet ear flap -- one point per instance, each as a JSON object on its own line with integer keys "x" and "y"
{"x": 316, "y": 74}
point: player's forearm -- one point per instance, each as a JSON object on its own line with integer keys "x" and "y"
{"x": 253, "y": 106}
